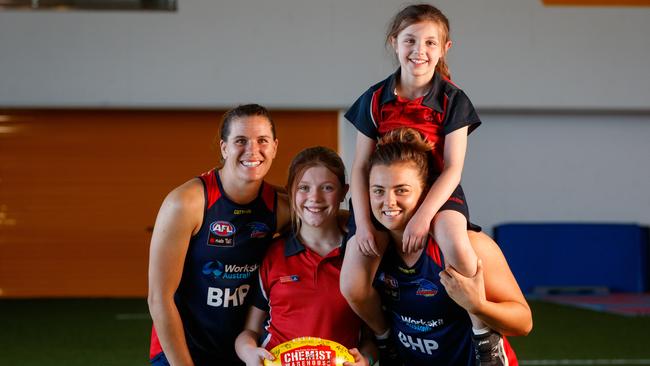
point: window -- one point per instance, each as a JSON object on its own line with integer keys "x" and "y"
{"x": 162, "y": 5}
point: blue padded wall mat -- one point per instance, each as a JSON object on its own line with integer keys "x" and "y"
{"x": 576, "y": 255}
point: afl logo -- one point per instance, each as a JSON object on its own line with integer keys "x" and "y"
{"x": 222, "y": 228}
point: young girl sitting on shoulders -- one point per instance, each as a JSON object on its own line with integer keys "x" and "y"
{"x": 421, "y": 96}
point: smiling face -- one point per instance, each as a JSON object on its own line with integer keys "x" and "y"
{"x": 395, "y": 192}
{"x": 249, "y": 149}
{"x": 419, "y": 47}
{"x": 317, "y": 196}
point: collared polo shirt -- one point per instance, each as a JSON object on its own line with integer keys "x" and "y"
{"x": 300, "y": 290}
{"x": 444, "y": 109}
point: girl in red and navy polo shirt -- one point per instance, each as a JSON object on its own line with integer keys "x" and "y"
{"x": 418, "y": 95}
{"x": 298, "y": 293}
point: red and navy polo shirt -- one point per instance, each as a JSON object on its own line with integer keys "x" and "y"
{"x": 444, "y": 109}
{"x": 300, "y": 291}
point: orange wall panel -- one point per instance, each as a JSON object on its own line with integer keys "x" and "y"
{"x": 80, "y": 190}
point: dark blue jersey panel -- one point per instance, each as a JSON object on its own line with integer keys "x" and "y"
{"x": 431, "y": 329}
{"x": 220, "y": 267}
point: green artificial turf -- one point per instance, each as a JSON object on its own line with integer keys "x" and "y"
{"x": 564, "y": 332}
{"x": 74, "y": 332}
{"x": 88, "y": 332}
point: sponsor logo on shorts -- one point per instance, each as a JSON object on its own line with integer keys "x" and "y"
{"x": 258, "y": 229}
{"x": 221, "y": 234}
{"x": 426, "y": 289}
{"x": 218, "y": 270}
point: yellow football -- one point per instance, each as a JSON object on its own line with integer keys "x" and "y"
{"x": 309, "y": 351}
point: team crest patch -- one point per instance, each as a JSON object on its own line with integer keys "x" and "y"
{"x": 221, "y": 234}
{"x": 426, "y": 289}
{"x": 258, "y": 229}
{"x": 388, "y": 280}
{"x": 391, "y": 286}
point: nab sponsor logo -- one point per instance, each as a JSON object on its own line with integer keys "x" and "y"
{"x": 227, "y": 297}
{"x": 222, "y": 228}
{"x": 426, "y": 289}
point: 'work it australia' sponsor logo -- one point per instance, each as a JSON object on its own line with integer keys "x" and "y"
{"x": 426, "y": 289}
{"x": 218, "y": 270}
{"x": 258, "y": 229}
{"x": 420, "y": 325}
{"x": 221, "y": 234}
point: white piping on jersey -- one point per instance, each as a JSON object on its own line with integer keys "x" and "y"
{"x": 372, "y": 117}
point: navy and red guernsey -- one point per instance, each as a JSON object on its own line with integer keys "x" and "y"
{"x": 430, "y": 328}
{"x": 444, "y": 109}
{"x": 220, "y": 266}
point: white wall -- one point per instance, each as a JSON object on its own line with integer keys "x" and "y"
{"x": 554, "y": 167}
{"x": 314, "y": 53}
{"x": 559, "y": 167}
{"x": 508, "y": 55}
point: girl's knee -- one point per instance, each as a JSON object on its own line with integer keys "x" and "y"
{"x": 354, "y": 290}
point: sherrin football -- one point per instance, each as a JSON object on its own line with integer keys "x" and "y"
{"x": 309, "y": 351}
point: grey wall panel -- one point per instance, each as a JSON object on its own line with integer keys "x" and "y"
{"x": 554, "y": 168}
{"x": 308, "y": 53}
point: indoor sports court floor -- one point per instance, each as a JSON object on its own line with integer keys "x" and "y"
{"x": 116, "y": 332}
